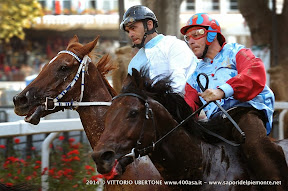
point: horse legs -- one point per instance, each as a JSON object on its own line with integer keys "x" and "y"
{"x": 265, "y": 159}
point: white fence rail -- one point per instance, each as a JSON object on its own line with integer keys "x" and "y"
{"x": 284, "y": 107}
{"x": 54, "y": 127}
{"x": 21, "y": 128}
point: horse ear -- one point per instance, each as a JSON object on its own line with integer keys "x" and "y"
{"x": 126, "y": 81}
{"x": 74, "y": 39}
{"x": 90, "y": 46}
{"x": 135, "y": 74}
{"x": 136, "y": 78}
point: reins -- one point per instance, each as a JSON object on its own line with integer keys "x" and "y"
{"x": 137, "y": 152}
{"x": 52, "y": 103}
{"x": 221, "y": 108}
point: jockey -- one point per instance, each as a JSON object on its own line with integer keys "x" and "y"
{"x": 237, "y": 81}
{"x": 163, "y": 55}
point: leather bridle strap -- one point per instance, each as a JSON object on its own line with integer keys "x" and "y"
{"x": 147, "y": 108}
{"x": 137, "y": 152}
{"x": 51, "y": 103}
{"x": 148, "y": 115}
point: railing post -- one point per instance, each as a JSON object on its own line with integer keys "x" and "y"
{"x": 45, "y": 160}
{"x": 281, "y": 124}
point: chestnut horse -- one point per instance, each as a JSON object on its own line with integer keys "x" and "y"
{"x": 58, "y": 84}
{"x": 123, "y": 57}
{"x": 137, "y": 123}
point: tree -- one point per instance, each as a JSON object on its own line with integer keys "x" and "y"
{"x": 16, "y": 15}
{"x": 269, "y": 29}
{"x": 167, "y": 13}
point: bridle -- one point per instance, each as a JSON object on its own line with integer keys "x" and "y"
{"x": 148, "y": 115}
{"x": 52, "y": 103}
{"x": 143, "y": 151}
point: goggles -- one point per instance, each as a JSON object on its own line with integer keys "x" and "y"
{"x": 196, "y": 33}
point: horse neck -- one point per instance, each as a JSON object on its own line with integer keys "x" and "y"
{"x": 92, "y": 117}
{"x": 179, "y": 156}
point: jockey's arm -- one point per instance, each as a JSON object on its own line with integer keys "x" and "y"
{"x": 192, "y": 98}
{"x": 212, "y": 94}
{"x": 182, "y": 63}
{"x": 250, "y": 80}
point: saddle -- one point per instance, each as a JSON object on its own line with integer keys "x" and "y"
{"x": 219, "y": 127}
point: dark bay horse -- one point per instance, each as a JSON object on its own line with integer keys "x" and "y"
{"x": 58, "y": 84}
{"x": 142, "y": 114}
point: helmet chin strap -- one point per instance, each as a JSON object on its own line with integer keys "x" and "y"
{"x": 204, "y": 52}
{"x": 142, "y": 42}
{"x": 147, "y": 32}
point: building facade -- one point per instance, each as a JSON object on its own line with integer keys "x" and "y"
{"x": 102, "y": 16}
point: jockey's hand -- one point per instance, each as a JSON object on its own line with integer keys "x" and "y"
{"x": 212, "y": 94}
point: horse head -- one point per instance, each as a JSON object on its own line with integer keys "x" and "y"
{"x": 131, "y": 126}
{"x": 131, "y": 129}
{"x": 53, "y": 80}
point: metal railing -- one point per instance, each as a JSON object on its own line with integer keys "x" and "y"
{"x": 54, "y": 127}
{"x": 284, "y": 107}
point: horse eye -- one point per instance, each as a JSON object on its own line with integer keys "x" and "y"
{"x": 63, "y": 68}
{"x": 133, "y": 114}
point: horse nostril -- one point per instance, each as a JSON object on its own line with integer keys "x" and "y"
{"x": 15, "y": 99}
{"x": 20, "y": 100}
{"x": 100, "y": 157}
{"x": 106, "y": 156}
{"x": 23, "y": 100}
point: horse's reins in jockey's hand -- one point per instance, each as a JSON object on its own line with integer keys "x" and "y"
{"x": 220, "y": 107}
{"x": 201, "y": 127}
{"x": 134, "y": 152}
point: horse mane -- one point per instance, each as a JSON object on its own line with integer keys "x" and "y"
{"x": 160, "y": 89}
{"x": 104, "y": 66}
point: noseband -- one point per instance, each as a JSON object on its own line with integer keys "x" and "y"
{"x": 51, "y": 103}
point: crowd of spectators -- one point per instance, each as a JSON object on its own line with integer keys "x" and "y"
{"x": 19, "y": 59}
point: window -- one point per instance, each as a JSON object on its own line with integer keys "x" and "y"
{"x": 209, "y": 5}
{"x": 233, "y": 4}
{"x": 67, "y": 4}
{"x": 42, "y": 3}
{"x": 215, "y": 5}
{"x": 190, "y": 5}
{"x": 110, "y": 5}
{"x": 93, "y": 4}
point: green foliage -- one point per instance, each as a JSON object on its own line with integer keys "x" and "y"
{"x": 16, "y": 15}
